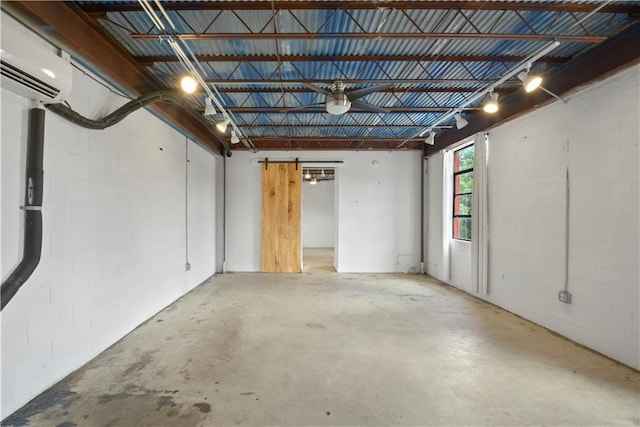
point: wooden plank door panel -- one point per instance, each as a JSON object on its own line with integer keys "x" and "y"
{"x": 281, "y": 218}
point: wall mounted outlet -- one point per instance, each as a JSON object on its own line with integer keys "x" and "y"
{"x": 187, "y": 267}
{"x": 564, "y": 296}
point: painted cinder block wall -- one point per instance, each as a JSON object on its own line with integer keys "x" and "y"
{"x": 378, "y": 210}
{"x": 114, "y": 243}
{"x": 595, "y": 136}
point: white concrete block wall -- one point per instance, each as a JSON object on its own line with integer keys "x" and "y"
{"x": 378, "y": 220}
{"x": 596, "y": 136}
{"x": 114, "y": 240}
{"x": 433, "y": 220}
{"x": 318, "y": 214}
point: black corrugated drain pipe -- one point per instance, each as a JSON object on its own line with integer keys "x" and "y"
{"x": 32, "y": 209}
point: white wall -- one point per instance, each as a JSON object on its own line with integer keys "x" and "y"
{"x": 595, "y": 136}
{"x": 378, "y": 218}
{"x": 114, "y": 235}
{"x": 318, "y": 214}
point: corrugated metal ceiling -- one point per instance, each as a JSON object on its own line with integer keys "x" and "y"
{"x": 241, "y": 48}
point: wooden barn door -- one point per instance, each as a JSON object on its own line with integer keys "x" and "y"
{"x": 281, "y": 218}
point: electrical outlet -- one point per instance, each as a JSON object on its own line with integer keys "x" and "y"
{"x": 565, "y": 297}
{"x": 187, "y": 267}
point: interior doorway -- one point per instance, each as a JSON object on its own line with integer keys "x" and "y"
{"x": 318, "y": 219}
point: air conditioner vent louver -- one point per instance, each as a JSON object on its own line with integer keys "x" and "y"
{"x": 10, "y": 72}
{"x": 32, "y": 67}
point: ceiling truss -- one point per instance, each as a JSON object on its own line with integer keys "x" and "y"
{"x": 437, "y": 53}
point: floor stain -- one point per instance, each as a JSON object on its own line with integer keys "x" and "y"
{"x": 203, "y": 407}
{"x": 106, "y": 398}
{"x": 50, "y": 398}
{"x": 165, "y": 401}
{"x": 315, "y": 325}
{"x": 248, "y": 393}
{"x": 139, "y": 364}
{"x": 67, "y": 424}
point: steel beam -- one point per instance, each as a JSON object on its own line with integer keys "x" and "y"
{"x": 321, "y": 109}
{"x": 327, "y": 143}
{"x": 146, "y": 60}
{"x": 226, "y": 89}
{"x": 378, "y": 36}
{"x": 327, "y": 82}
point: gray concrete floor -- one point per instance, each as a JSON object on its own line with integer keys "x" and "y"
{"x": 317, "y": 260}
{"x": 339, "y": 349}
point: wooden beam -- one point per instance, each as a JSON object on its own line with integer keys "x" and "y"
{"x": 66, "y": 26}
{"x": 619, "y": 52}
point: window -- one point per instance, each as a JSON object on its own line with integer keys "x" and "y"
{"x": 462, "y": 192}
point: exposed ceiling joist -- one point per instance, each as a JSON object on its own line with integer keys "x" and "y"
{"x": 327, "y": 82}
{"x": 226, "y": 89}
{"x": 363, "y": 4}
{"x": 321, "y": 109}
{"x": 332, "y": 126}
{"x": 332, "y": 143}
{"x": 145, "y": 60}
{"x": 378, "y": 36}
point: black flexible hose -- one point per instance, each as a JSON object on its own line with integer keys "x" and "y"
{"x": 128, "y": 108}
{"x": 33, "y": 214}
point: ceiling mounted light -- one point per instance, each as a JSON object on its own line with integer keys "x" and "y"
{"x": 188, "y": 84}
{"x": 209, "y": 109}
{"x": 234, "y": 137}
{"x": 307, "y": 176}
{"x": 431, "y": 138}
{"x": 222, "y": 125}
{"x": 530, "y": 82}
{"x": 491, "y": 105}
{"x": 460, "y": 121}
{"x": 313, "y": 181}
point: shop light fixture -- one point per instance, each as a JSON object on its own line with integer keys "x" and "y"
{"x": 491, "y": 105}
{"x": 234, "y": 137}
{"x": 209, "y": 109}
{"x": 222, "y": 124}
{"x": 460, "y": 121}
{"x": 530, "y": 82}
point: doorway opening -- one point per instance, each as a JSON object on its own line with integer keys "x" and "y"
{"x": 318, "y": 219}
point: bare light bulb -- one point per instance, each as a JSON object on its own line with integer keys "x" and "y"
{"x": 188, "y": 84}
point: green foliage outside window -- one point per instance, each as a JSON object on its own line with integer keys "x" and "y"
{"x": 462, "y": 192}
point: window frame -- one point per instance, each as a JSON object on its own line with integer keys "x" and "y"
{"x": 455, "y": 195}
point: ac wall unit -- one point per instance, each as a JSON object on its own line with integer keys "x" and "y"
{"x": 32, "y": 69}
